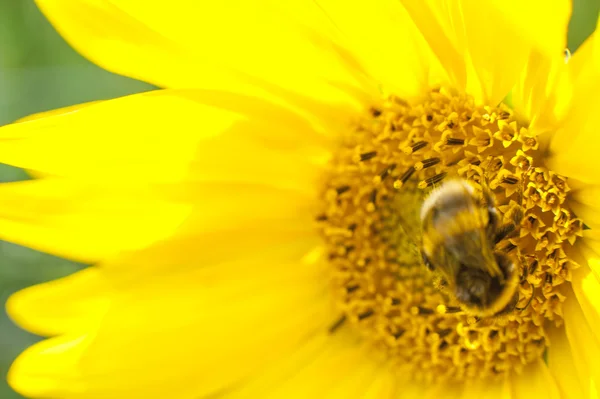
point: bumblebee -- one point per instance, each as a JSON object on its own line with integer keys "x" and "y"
{"x": 460, "y": 230}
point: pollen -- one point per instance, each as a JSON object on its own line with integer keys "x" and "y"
{"x": 370, "y": 222}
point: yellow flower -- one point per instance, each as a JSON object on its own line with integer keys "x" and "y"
{"x": 253, "y": 223}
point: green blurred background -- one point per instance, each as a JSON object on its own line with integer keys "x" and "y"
{"x": 38, "y": 72}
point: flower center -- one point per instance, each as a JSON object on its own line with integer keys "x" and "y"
{"x": 370, "y": 221}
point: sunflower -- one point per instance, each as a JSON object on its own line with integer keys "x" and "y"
{"x": 252, "y": 223}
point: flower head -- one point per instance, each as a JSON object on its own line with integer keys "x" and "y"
{"x": 256, "y": 223}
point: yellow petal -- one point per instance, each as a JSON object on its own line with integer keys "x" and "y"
{"x": 40, "y": 369}
{"x": 336, "y": 366}
{"x": 86, "y": 223}
{"x": 45, "y": 114}
{"x": 563, "y": 368}
{"x": 214, "y": 323}
{"x": 288, "y": 46}
{"x": 484, "y": 58}
{"x": 391, "y": 47}
{"x": 543, "y": 92}
{"x": 217, "y": 161}
{"x": 535, "y": 382}
{"x": 585, "y": 346}
{"x": 586, "y": 283}
{"x": 205, "y": 221}
{"x": 63, "y": 110}
{"x": 434, "y": 21}
{"x": 167, "y": 136}
{"x": 72, "y": 303}
{"x": 575, "y": 146}
{"x": 548, "y": 29}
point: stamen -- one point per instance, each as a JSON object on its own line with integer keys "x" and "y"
{"x": 404, "y": 178}
{"x": 426, "y": 163}
{"x": 414, "y": 148}
{"x": 387, "y": 171}
{"x": 419, "y": 310}
{"x": 342, "y": 189}
{"x": 432, "y": 180}
{"x": 454, "y": 141}
{"x": 510, "y": 180}
{"x": 368, "y": 155}
{"x": 398, "y": 333}
{"x": 364, "y": 315}
{"x": 443, "y": 333}
{"x": 335, "y": 326}
{"x": 351, "y": 288}
{"x": 373, "y": 196}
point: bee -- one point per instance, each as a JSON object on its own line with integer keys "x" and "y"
{"x": 460, "y": 230}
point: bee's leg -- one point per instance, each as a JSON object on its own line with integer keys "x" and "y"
{"x": 512, "y": 305}
{"x": 527, "y": 304}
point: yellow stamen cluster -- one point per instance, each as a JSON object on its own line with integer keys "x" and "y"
{"x": 370, "y": 222}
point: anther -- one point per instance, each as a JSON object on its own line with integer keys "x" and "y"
{"x": 424, "y": 311}
{"x": 375, "y": 112}
{"x": 429, "y": 118}
{"x": 342, "y": 189}
{"x": 503, "y": 115}
{"x": 404, "y": 178}
{"x": 384, "y": 173}
{"x": 351, "y": 288}
{"x": 443, "y": 345}
{"x": 510, "y": 180}
{"x": 426, "y": 163}
{"x": 321, "y": 218}
{"x": 533, "y": 267}
{"x": 352, "y": 227}
{"x": 414, "y": 148}
{"x": 395, "y": 301}
{"x": 452, "y": 309}
{"x": 335, "y": 326}
{"x": 453, "y": 141}
{"x": 444, "y": 332}
{"x": 493, "y": 334}
{"x": 432, "y": 180}
{"x": 365, "y": 315}
{"x": 365, "y": 156}
{"x": 373, "y": 196}
{"x": 398, "y": 333}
